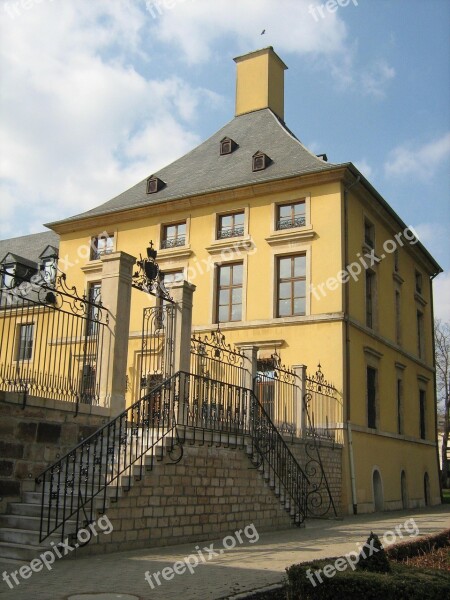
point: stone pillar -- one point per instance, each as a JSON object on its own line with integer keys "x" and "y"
{"x": 116, "y": 298}
{"x": 301, "y": 419}
{"x": 251, "y": 369}
{"x": 182, "y": 293}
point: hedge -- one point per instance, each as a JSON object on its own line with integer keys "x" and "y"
{"x": 418, "y": 546}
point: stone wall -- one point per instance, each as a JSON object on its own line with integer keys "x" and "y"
{"x": 211, "y": 493}
{"x": 34, "y": 437}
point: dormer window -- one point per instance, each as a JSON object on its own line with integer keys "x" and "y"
{"x": 227, "y": 146}
{"x": 7, "y": 275}
{"x": 154, "y": 184}
{"x": 260, "y": 161}
{"x": 48, "y": 270}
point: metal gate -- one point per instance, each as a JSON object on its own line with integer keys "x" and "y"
{"x": 158, "y": 327}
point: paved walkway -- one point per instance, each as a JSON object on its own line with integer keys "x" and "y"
{"x": 248, "y": 566}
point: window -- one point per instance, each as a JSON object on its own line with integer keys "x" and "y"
{"x": 230, "y": 225}
{"x": 88, "y": 384}
{"x": 291, "y": 215}
{"x": 25, "y": 347}
{"x": 398, "y": 323}
{"x": 371, "y": 397}
{"x": 174, "y": 235}
{"x": 227, "y": 146}
{"x": 422, "y": 399}
{"x": 291, "y": 299}
{"x": 172, "y": 277}
{"x": 49, "y": 270}
{"x": 369, "y": 234}
{"x": 7, "y": 276}
{"x": 229, "y": 292}
{"x": 100, "y": 245}
{"x": 94, "y": 297}
{"x": 260, "y": 161}
{"x": 396, "y": 261}
{"x": 370, "y": 295}
{"x": 154, "y": 185}
{"x": 399, "y": 406}
{"x": 420, "y": 336}
{"x": 418, "y": 277}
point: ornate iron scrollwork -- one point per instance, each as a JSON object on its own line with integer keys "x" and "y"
{"x": 150, "y": 278}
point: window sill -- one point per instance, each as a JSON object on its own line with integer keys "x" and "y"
{"x": 170, "y": 253}
{"x": 420, "y": 299}
{"x": 296, "y": 234}
{"x": 398, "y": 278}
{"x": 237, "y": 243}
{"x": 92, "y": 266}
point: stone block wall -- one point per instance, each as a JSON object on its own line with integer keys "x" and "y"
{"x": 211, "y": 493}
{"x": 34, "y": 437}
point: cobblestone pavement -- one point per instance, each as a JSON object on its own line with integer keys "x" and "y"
{"x": 248, "y": 566}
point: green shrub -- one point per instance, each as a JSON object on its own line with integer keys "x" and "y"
{"x": 401, "y": 583}
{"x": 418, "y": 546}
{"x": 373, "y": 556}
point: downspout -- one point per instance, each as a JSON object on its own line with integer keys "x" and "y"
{"x": 347, "y": 355}
{"x": 435, "y": 386}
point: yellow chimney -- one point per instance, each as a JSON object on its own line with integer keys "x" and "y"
{"x": 260, "y": 82}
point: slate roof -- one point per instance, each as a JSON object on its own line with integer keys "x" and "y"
{"x": 28, "y": 247}
{"x": 203, "y": 170}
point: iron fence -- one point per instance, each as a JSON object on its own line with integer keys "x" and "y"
{"x": 324, "y": 408}
{"x": 52, "y": 339}
{"x": 213, "y": 358}
{"x": 276, "y": 387}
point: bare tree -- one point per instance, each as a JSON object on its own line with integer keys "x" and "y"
{"x": 442, "y": 347}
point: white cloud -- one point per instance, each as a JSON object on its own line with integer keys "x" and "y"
{"x": 419, "y": 161}
{"x": 290, "y": 27}
{"x": 441, "y": 288}
{"x": 79, "y": 124}
{"x": 375, "y": 79}
{"x": 363, "y": 166}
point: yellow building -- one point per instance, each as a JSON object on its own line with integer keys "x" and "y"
{"x": 289, "y": 252}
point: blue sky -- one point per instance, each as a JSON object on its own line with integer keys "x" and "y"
{"x": 97, "y": 95}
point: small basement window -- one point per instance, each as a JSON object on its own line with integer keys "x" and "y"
{"x": 227, "y": 146}
{"x": 260, "y": 161}
{"x": 154, "y": 184}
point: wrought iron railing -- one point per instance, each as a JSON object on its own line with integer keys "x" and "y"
{"x": 95, "y": 469}
{"x": 230, "y": 232}
{"x": 273, "y": 456}
{"x": 211, "y": 405}
{"x": 173, "y": 242}
{"x": 276, "y": 388}
{"x": 213, "y": 358}
{"x": 52, "y": 340}
{"x": 324, "y": 408}
{"x": 291, "y": 222}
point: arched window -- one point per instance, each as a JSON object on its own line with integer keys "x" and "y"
{"x": 404, "y": 489}
{"x": 377, "y": 491}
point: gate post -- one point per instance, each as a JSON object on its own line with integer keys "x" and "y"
{"x": 116, "y": 298}
{"x": 182, "y": 293}
{"x": 251, "y": 355}
{"x": 300, "y": 391}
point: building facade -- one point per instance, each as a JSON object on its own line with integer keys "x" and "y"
{"x": 293, "y": 255}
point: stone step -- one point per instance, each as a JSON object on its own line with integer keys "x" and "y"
{"x": 20, "y": 552}
{"x": 36, "y": 497}
{"x": 24, "y": 536}
{"x": 26, "y": 522}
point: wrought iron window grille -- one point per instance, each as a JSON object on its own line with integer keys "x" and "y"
{"x": 290, "y": 223}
